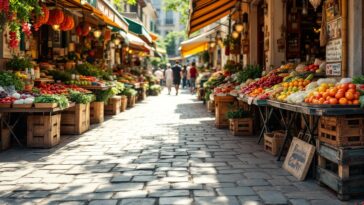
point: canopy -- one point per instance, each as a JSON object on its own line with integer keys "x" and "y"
{"x": 139, "y": 29}
{"x": 206, "y": 12}
{"x": 197, "y": 44}
{"x": 136, "y": 43}
{"x": 154, "y": 36}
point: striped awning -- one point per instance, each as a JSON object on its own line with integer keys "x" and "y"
{"x": 206, "y": 12}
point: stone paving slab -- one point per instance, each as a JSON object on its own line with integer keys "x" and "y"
{"x": 164, "y": 151}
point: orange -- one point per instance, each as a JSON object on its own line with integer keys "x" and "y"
{"x": 352, "y": 86}
{"x": 333, "y": 101}
{"x": 351, "y": 90}
{"x": 349, "y": 95}
{"x": 332, "y": 92}
{"x": 356, "y": 102}
{"x": 344, "y": 86}
{"x": 357, "y": 95}
{"x": 350, "y": 102}
{"x": 343, "y": 101}
{"x": 325, "y": 95}
{"x": 321, "y": 101}
{"x": 339, "y": 95}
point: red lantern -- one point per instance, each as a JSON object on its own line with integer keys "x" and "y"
{"x": 67, "y": 24}
{"x": 56, "y": 17}
{"x": 42, "y": 19}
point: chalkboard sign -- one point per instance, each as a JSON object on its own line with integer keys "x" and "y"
{"x": 299, "y": 158}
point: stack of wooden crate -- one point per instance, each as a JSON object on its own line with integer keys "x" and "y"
{"x": 76, "y": 120}
{"x": 124, "y": 103}
{"x": 43, "y": 131}
{"x": 340, "y": 150}
{"x": 97, "y": 112}
{"x": 113, "y": 106}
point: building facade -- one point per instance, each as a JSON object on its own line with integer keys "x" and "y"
{"x": 168, "y": 21}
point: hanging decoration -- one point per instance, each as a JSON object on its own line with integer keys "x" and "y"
{"x": 83, "y": 29}
{"x": 56, "y": 17}
{"x": 68, "y": 23}
{"x": 315, "y": 3}
{"x": 42, "y": 18}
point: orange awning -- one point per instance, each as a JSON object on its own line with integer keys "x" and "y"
{"x": 154, "y": 36}
{"x": 206, "y": 12}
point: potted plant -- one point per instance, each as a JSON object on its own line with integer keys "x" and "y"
{"x": 241, "y": 124}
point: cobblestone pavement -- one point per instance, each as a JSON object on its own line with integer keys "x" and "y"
{"x": 164, "y": 151}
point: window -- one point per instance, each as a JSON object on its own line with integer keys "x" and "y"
{"x": 169, "y": 17}
{"x": 133, "y": 8}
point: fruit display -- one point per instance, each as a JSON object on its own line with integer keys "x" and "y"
{"x": 128, "y": 78}
{"x": 342, "y": 94}
{"x": 61, "y": 100}
{"x": 59, "y": 89}
{"x": 290, "y": 88}
{"x": 7, "y": 100}
{"x": 264, "y": 82}
{"x": 224, "y": 89}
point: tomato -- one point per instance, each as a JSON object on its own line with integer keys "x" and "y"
{"x": 339, "y": 95}
{"x": 321, "y": 101}
{"x": 344, "y": 86}
{"x": 333, "y": 101}
{"x": 352, "y": 86}
{"x": 343, "y": 101}
{"x": 349, "y": 95}
{"x": 332, "y": 92}
{"x": 356, "y": 102}
{"x": 326, "y": 102}
{"x": 315, "y": 101}
{"x": 325, "y": 95}
{"x": 351, "y": 90}
{"x": 307, "y": 100}
{"x": 350, "y": 102}
{"x": 357, "y": 95}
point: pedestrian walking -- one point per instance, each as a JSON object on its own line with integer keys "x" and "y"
{"x": 188, "y": 76}
{"x": 177, "y": 75}
{"x": 169, "y": 78}
{"x": 160, "y": 76}
{"x": 184, "y": 77}
{"x": 193, "y": 76}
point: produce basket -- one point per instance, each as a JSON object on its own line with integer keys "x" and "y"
{"x": 45, "y": 105}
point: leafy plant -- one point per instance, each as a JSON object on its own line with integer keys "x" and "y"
{"x": 18, "y": 64}
{"x": 81, "y": 98}
{"x": 358, "y": 79}
{"x": 250, "y": 71}
{"x": 129, "y": 92}
{"x": 90, "y": 70}
{"x": 237, "y": 114}
{"x": 117, "y": 88}
{"x": 61, "y": 100}
{"x": 103, "y": 95}
{"x": 60, "y": 75}
{"x": 10, "y": 79}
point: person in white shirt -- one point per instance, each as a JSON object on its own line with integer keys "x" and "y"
{"x": 188, "y": 76}
{"x": 169, "y": 78}
{"x": 159, "y": 74}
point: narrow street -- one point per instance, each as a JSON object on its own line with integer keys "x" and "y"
{"x": 165, "y": 151}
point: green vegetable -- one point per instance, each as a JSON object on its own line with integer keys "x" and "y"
{"x": 240, "y": 113}
{"x": 61, "y": 100}
{"x": 10, "y": 79}
{"x": 81, "y": 98}
{"x": 249, "y": 72}
{"x": 117, "y": 88}
{"x": 129, "y": 92}
{"x": 18, "y": 64}
{"x": 90, "y": 70}
{"x": 358, "y": 79}
{"x": 361, "y": 100}
{"x": 60, "y": 75}
{"x": 103, "y": 95}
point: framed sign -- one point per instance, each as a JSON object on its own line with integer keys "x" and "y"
{"x": 334, "y": 28}
{"x": 299, "y": 158}
{"x": 333, "y": 69}
{"x": 334, "y": 50}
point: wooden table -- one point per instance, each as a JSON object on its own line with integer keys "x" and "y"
{"x": 25, "y": 111}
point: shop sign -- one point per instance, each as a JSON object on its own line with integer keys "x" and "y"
{"x": 334, "y": 28}
{"x": 104, "y": 8}
{"x": 333, "y": 69}
{"x": 334, "y": 50}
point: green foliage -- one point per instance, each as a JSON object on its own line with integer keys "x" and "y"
{"x": 237, "y": 114}
{"x": 18, "y": 64}
{"x": 171, "y": 38}
{"x": 181, "y": 7}
{"x": 60, "y": 75}
{"x": 358, "y": 79}
{"x": 250, "y": 71}
{"x": 208, "y": 92}
{"x": 206, "y": 57}
{"x": 91, "y": 70}
{"x": 10, "y": 79}
{"x": 129, "y": 92}
{"x": 61, "y": 100}
{"x": 102, "y": 95}
{"x": 119, "y": 4}
{"x": 117, "y": 88}
{"x": 80, "y": 98}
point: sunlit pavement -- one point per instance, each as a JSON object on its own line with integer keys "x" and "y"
{"x": 164, "y": 151}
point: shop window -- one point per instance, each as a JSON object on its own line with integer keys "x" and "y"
{"x": 169, "y": 18}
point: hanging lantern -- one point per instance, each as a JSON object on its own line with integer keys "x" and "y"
{"x": 56, "y": 17}
{"x": 315, "y": 3}
{"x": 235, "y": 34}
{"x": 97, "y": 33}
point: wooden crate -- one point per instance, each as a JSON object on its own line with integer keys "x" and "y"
{"x": 341, "y": 169}
{"x": 142, "y": 95}
{"x": 211, "y": 106}
{"x": 243, "y": 105}
{"x": 113, "y": 106}
{"x": 97, "y": 112}
{"x": 124, "y": 103}
{"x": 131, "y": 101}
{"x": 273, "y": 142}
{"x": 241, "y": 127}
{"x": 76, "y": 120}
{"x": 4, "y": 139}
{"x": 43, "y": 131}
{"x": 342, "y": 131}
{"x": 222, "y": 105}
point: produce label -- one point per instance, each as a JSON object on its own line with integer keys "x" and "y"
{"x": 334, "y": 50}
{"x": 333, "y": 69}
